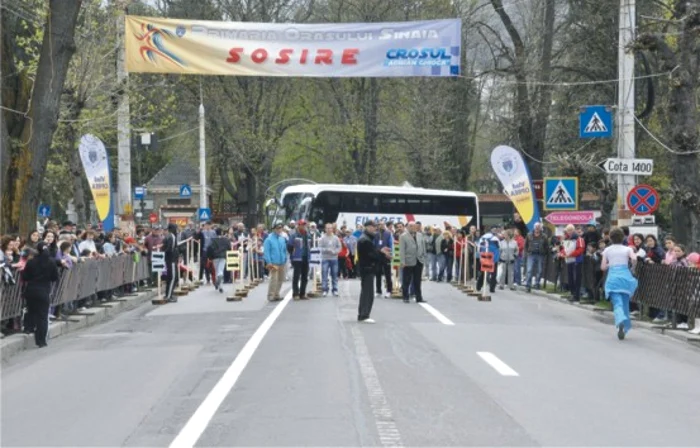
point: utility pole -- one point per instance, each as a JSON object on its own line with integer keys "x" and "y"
{"x": 123, "y": 126}
{"x": 625, "y": 113}
{"x": 202, "y": 160}
{"x": 2, "y": 140}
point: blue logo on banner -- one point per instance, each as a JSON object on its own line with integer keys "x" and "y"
{"x": 204, "y": 214}
{"x": 422, "y": 57}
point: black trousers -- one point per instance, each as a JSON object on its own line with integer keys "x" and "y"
{"x": 300, "y": 277}
{"x": 366, "y": 295}
{"x": 203, "y": 268}
{"x": 38, "y": 308}
{"x": 412, "y": 274}
{"x": 171, "y": 278}
{"x": 491, "y": 280}
{"x": 383, "y": 270}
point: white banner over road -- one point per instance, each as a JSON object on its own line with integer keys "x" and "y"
{"x": 401, "y": 49}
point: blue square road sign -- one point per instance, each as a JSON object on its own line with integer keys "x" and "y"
{"x": 595, "y": 122}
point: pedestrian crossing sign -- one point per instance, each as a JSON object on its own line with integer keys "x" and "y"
{"x": 204, "y": 214}
{"x": 561, "y": 193}
{"x": 595, "y": 122}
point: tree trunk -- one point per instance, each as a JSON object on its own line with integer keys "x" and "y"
{"x": 56, "y": 51}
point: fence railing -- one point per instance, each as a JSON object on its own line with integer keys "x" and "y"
{"x": 83, "y": 280}
{"x": 663, "y": 287}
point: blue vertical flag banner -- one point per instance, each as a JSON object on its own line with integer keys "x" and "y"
{"x": 513, "y": 173}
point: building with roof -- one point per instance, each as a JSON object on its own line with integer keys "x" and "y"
{"x": 163, "y": 193}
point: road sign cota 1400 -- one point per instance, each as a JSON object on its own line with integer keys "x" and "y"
{"x": 634, "y": 167}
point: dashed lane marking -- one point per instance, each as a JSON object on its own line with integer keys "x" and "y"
{"x": 437, "y": 314}
{"x": 500, "y": 366}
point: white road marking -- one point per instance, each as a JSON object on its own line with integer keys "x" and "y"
{"x": 386, "y": 426}
{"x": 199, "y": 421}
{"x": 437, "y": 314}
{"x": 500, "y": 366}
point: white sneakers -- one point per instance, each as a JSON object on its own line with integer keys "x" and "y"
{"x": 368, "y": 321}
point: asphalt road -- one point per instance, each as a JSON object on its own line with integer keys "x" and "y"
{"x": 517, "y": 371}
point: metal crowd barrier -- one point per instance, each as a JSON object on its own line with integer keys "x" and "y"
{"x": 663, "y": 287}
{"x": 83, "y": 280}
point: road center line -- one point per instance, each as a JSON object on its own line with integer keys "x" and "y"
{"x": 437, "y": 314}
{"x": 500, "y": 366}
{"x": 199, "y": 421}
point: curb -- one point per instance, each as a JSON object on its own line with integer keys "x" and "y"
{"x": 16, "y": 343}
{"x": 606, "y": 317}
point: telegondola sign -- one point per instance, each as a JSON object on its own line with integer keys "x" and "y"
{"x": 403, "y": 49}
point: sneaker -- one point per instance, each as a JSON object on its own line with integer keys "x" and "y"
{"x": 325, "y": 294}
{"x": 221, "y": 290}
{"x": 378, "y": 294}
{"x": 387, "y": 295}
{"x": 296, "y": 297}
{"x": 368, "y": 321}
{"x": 303, "y": 298}
{"x": 335, "y": 293}
{"x": 682, "y": 326}
{"x": 621, "y": 332}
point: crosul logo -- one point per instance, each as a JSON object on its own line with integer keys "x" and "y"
{"x": 154, "y": 45}
{"x": 423, "y": 57}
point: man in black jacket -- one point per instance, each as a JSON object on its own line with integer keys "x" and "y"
{"x": 369, "y": 258}
{"x": 217, "y": 252}
{"x": 172, "y": 256}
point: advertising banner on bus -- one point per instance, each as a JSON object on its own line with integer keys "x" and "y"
{"x": 513, "y": 173}
{"x": 352, "y": 220}
{"x": 400, "y": 49}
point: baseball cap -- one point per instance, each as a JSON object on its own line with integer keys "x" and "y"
{"x": 278, "y": 225}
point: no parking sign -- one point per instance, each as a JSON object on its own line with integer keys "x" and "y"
{"x": 643, "y": 200}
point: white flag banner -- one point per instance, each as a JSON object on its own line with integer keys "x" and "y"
{"x": 398, "y": 49}
{"x": 96, "y": 164}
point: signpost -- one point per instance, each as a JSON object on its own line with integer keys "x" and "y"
{"x": 561, "y": 193}
{"x": 631, "y": 167}
{"x": 139, "y": 193}
{"x": 158, "y": 267}
{"x": 204, "y": 214}
{"x": 565, "y": 218}
{"x": 487, "y": 267}
{"x": 538, "y": 186}
{"x": 315, "y": 256}
{"x": 44, "y": 211}
{"x": 185, "y": 191}
{"x": 643, "y": 200}
{"x": 595, "y": 122}
{"x": 233, "y": 265}
{"x": 153, "y": 218}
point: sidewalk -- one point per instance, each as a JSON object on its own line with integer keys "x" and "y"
{"x": 16, "y": 343}
{"x": 604, "y": 315}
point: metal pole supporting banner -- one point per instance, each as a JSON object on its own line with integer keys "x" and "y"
{"x": 202, "y": 161}
{"x": 123, "y": 127}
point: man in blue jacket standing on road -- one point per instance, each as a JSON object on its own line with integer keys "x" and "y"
{"x": 275, "y": 254}
{"x": 489, "y": 243}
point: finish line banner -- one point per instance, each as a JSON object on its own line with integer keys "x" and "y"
{"x": 402, "y": 49}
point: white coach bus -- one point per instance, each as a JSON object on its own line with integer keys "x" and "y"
{"x": 353, "y": 204}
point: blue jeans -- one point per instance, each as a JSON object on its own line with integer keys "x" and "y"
{"x": 621, "y": 310}
{"x": 329, "y": 265}
{"x": 517, "y": 275}
{"x": 432, "y": 266}
{"x": 534, "y": 261}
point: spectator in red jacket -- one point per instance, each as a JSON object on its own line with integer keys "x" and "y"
{"x": 573, "y": 249}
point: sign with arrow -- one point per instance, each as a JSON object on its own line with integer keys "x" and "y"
{"x": 595, "y": 122}
{"x": 632, "y": 167}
